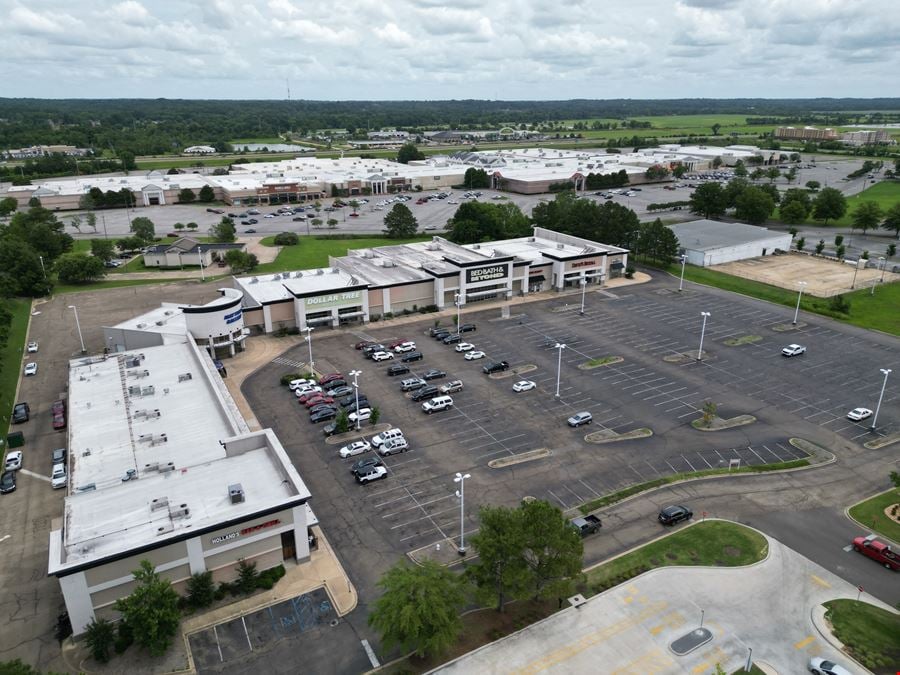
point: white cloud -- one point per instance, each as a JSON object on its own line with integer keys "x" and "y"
{"x": 394, "y": 36}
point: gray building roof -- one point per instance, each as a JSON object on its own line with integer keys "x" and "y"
{"x": 704, "y": 235}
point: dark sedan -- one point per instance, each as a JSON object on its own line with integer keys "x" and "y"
{"x": 433, "y": 374}
{"x": 674, "y": 514}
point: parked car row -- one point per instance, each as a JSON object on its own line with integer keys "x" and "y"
{"x": 325, "y": 397}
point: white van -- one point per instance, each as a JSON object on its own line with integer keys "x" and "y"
{"x": 379, "y": 439}
{"x": 437, "y": 404}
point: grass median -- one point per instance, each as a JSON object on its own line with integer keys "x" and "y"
{"x": 871, "y": 634}
{"x": 871, "y": 514}
{"x": 713, "y": 543}
{"x": 11, "y": 360}
{"x": 312, "y": 252}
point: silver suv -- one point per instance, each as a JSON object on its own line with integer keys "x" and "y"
{"x": 412, "y": 383}
{"x": 452, "y": 387}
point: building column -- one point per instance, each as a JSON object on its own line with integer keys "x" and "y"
{"x": 439, "y": 292}
{"x": 335, "y": 317}
{"x": 301, "y": 538}
{"x": 385, "y": 301}
{"x": 267, "y": 319}
{"x": 299, "y": 314}
{"x": 195, "y": 551}
{"x": 78, "y": 601}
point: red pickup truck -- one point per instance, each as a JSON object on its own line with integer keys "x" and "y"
{"x": 877, "y": 551}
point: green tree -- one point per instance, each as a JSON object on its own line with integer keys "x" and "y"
{"x": 656, "y": 172}
{"x": 151, "y": 610}
{"x": 79, "y": 268}
{"x": 240, "y": 261}
{"x": 679, "y": 171}
{"x": 772, "y": 173}
{"x": 791, "y": 175}
{"x": 128, "y": 244}
{"x": 475, "y": 179}
{"x": 192, "y": 226}
{"x": 891, "y": 250}
{"x": 316, "y": 223}
{"x": 104, "y": 249}
{"x": 758, "y": 174}
{"x": 830, "y": 204}
{"x": 840, "y": 251}
{"x": 708, "y": 200}
{"x": 409, "y": 152}
{"x": 178, "y": 227}
{"x": 201, "y": 589}
{"x": 715, "y": 128}
{"x": 143, "y": 228}
{"x": 740, "y": 169}
{"x": 99, "y": 637}
{"x": 287, "y": 239}
{"x": 41, "y": 230}
{"x": 206, "y": 194}
{"x": 21, "y": 273}
{"x": 90, "y": 219}
{"x": 186, "y": 196}
{"x": 717, "y": 162}
{"x": 813, "y": 185}
{"x": 820, "y": 246}
{"x": 552, "y": 549}
{"x": 247, "y": 577}
{"x": 838, "y": 239}
{"x": 75, "y": 223}
{"x": 658, "y": 242}
{"x": 793, "y": 213}
{"x": 500, "y": 572}
{"x": 801, "y": 242}
{"x": 342, "y": 422}
{"x": 891, "y": 220}
{"x": 801, "y": 197}
{"x": 709, "y": 411}
{"x": 8, "y": 205}
{"x": 34, "y": 203}
{"x": 754, "y": 206}
{"x": 375, "y": 415}
{"x": 224, "y": 231}
{"x": 400, "y": 223}
{"x": 332, "y": 223}
{"x": 354, "y": 205}
{"x": 475, "y": 222}
{"x": 419, "y": 608}
{"x": 867, "y": 216}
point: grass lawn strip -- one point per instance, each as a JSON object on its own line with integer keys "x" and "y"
{"x": 870, "y": 514}
{"x": 312, "y": 252}
{"x": 11, "y": 359}
{"x": 599, "y": 363}
{"x": 871, "y": 634}
{"x": 712, "y": 543}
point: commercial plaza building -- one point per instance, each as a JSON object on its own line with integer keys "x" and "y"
{"x": 163, "y": 467}
{"x": 371, "y": 283}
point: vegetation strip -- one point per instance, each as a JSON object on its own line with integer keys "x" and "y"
{"x": 618, "y": 496}
{"x": 870, "y": 513}
{"x": 719, "y": 424}
{"x": 599, "y": 363}
{"x": 882, "y": 442}
{"x": 871, "y": 634}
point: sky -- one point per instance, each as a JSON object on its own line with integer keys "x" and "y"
{"x": 437, "y": 49}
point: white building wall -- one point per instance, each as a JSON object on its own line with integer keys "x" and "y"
{"x": 727, "y": 254}
{"x": 78, "y": 601}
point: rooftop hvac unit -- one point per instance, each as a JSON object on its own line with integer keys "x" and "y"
{"x": 236, "y": 493}
{"x": 165, "y": 529}
{"x": 138, "y": 373}
{"x": 476, "y": 246}
{"x": 254, "y": 280}
{"x": 152, "y": 466}
{"x": 90, "y": 487}
{"x": 148, "y": 391}
{"x": 181, "y": 512}
{"x": 276, "y": 277}
{"x": 184, "y": 377}
{"x": 134, "y": 391}
{"x": 387, "y": 263}
{"x": 160, "y": 323}
{"x": 142, "y": 325}
{"x": 531, "y": 239}
{"x": 169, "y": 312}
{"x": 168, "y": 466}
{"x": 560, "y": 246}
{"x": 159, "y": 503}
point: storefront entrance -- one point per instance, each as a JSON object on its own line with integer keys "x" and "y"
{"x": 288, "y": 546}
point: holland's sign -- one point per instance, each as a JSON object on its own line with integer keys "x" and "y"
{"x": 485, "y": 274}
{"x": 244, "y": 532}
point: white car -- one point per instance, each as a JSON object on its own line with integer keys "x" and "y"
{"x": 382, "y": 356}
{"x": 269, "y": 215}
{"x": 13, "y": 461}
{"x": 793, "y": 350}
{"x": 355, "y": 448}
{"x": 31, "y": 368}
{"x": 524, "y": 385}
{"x": 405, "y": 347}
{"x": 59, "y": 479}
{"x": 820, "y": 666}
{"x": 293, "y": 385}
{"x": 371, "y": 474}
{"x": 303, "y": 391}
{"x": 465, "y": 347}
{"x": 859, "y": 414}
{"x": 362, "y": 415}
{"x": 452, "y": 201}
{"x": 32, "y": 347}
{"x": 471, "y": 356}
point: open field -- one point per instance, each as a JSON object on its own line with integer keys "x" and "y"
{"x": 312, "y": 252}
{"x": 11, "y": 360}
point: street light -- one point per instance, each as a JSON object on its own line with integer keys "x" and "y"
{"x": 799, "y": 295}
{"x": 705, "y": 315}
{"x": 883, "y": 265}
{"x": 885, "y": 372}
{"x": 461, "y": 493}
{"x": 456, "y": 298}
{"x": 356, "y": 374}
{"x": 583, "y": 289}
{"x": 78, "y": 326}
{"x": 309, "y": 330}
{"x": 560, "y": 346}
{"x": 681, "y": 283}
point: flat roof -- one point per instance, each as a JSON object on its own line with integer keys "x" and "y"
{"x": 144, "y": 411}
{"x": 703, "y": 235}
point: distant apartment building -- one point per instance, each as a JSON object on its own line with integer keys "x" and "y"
{"x": 199, "y": 150}
{"x": 43, "y": 150}
{"x": 866, "y": 137}
{"x": 806, "y": 134}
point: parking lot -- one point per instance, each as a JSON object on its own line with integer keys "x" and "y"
{"x": 416, "y": 505}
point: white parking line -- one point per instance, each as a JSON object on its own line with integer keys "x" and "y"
{"x": 564, "y": 505}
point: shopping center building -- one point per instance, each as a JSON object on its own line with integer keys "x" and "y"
{"x": 372, "y": 283}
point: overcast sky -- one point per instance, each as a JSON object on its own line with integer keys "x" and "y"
{"x": 442, "y": 49}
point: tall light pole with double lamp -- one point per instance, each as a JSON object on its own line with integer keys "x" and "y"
{"x": 885, "y": 372}
{"x": 461, "y": 494}
{"x": 78, "y": 326}
{"x": 356, "y": 374}
{"x": 705, "y": 316}
{"x": 681, "y": 282}
{"x": 309, "y": 330}
{"x": 799, "y": 295}
{"x": 583, "y": 290}
{"x": 560, "y": 346}
{"x": 457, "y": 298}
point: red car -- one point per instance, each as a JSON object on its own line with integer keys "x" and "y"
{"x": 363, "y": 343}
{"x": 325, "y": 379}
{"x": 313, "y": 394}
{"x": 877, "y": 551}
{"x": 58, "y": 410}
{"x": 396, "y": 343}
{"x": 316, "y": 400}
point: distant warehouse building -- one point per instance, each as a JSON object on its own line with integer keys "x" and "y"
{"x": 711, "y": 242}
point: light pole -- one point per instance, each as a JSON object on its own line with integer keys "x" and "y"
{"x": 560, "y": 346}
{"x": 855, "y": 272}
{"x": 681, "y": 283}
{"x": 799, "y": 295}
{"x": 461, "y": 493}
{"x": 43, "y": 269}
{"x": 356, "y": 374}
{"x": 78, "y": 326}
{"x": 200, "y": 258}
{"x": 883, "y": 265}
{"x": 885, "y": 372}
{"x": 705, "y": 315}
{"x": 309, "y": 330}
{"x": 583, "y": 289}
{"x": 456, "y": 298}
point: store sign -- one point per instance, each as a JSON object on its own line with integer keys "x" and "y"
{"x": 334, "y": 299}
{"x": 486, "y": 274}
{"x": 243, "y": 533}
{"x": 533, "y": 271}
{"x": 584, "y": 263}
{"x": 234, "y": 316}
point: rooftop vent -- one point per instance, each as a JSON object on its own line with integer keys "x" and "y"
{"x": 159, "y": 503}
{"x": 142, "y": 325}
{"x": 165, "y": 529}
{"x": 320, "y": 271}
{"x": 387, "y": 263}
{"x": 169, "y": 312}
{"x": 138, "y": 373}
{"x": 168, "y": 466}
{"x": 254, "y": 280}
{"x": 476, "y": 245}
{"x": 90, "y": 487}
{"x": 184, "y": 377}
{"x": 181, "y": 512}
{"x": 236, "y": 493}
{"x": 560, "y": 246}
{"x": 146, "y": 413}
{"x": 160, "y": 322}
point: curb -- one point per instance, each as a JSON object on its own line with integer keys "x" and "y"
{"x": 817, "y": 616}
{"x": 865, "y": 527}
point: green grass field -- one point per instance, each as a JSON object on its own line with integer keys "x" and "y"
{"x": 311, "y": 252}
{"x": 871, "y": 633}
{"x": 870, "y": 514}
{"x": 11, "y": 361}
{"x": 711, "y": 543}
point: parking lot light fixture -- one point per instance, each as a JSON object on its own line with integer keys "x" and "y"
{"x": 883, "y": 264}
{"x": 705, "y": 316}
{"x": 356, "y": 374}
{"x": 456, "y": 300}
{"x": 885, "y": 372}
{"x": 309, "y": 330}
{"x": 78, "y": 326}
{"x": 560, "y": 346}
{"x": 681, "y": 283}
{"x": 461, "y": 493}
{"x": 799, "y": 295}
{"x": 583, "y": 290}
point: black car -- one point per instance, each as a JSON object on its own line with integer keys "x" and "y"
{"x": 412, "y": 356}
{"x": 319, "y": 407}
{"x": 361, "y": 465}
{"x": 351, "y": 399}
{"x": 250, "y": 231}
{"x": 674, "y": 514}
{"x": 330, "y": 429}
{"x": 363, "y": 403}
{"x": 334, "y": 384}
{"x": 7, "y": 482}
{"x": 245, "y": 222}
{"x": 438, "y": 329}
{"x": 441, "y": 334}
{"x": 341, "y": 391}
{"x": 433, "y": 374}
{"x": 397, "y": 369}
{"x": 253, "y": 221}
{"x": 425, "y": 392}
{"x": 452, "y": 339}
{"x": 323, "y": 415}
{"x": 368, "y": 350}
{"x": 495, "y": 367}
{"x": 467, "y": 327}
{"x": 21, "y": 413}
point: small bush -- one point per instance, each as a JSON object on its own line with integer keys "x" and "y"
{"x": 124, "y": 637}
{"x": 287, "y": 239}
{"x": 629, "y": 272}
{"x": 100, "y": 636}
{"x": 287, "y": 378}
{"x": 840, "y": 304}
{"x": 201, "y": 590}
{"x": 247, "y": 577}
